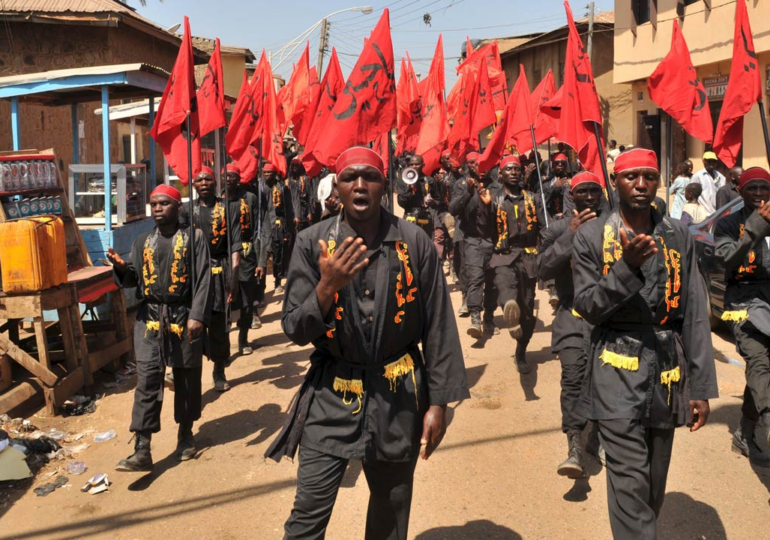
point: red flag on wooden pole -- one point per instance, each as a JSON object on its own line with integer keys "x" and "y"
{"x": 434, "y": 128}
{"x": 366, "y": 107}
{"x": 545, "y": 125}
{"x": 272, "y": 131}
{"x": 743, "y": 90}
{"x": 211, "y": 95}
{"x": 178, "y": 102}
{"x": 306, "y": 107}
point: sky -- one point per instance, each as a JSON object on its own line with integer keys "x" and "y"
{"x": 271, "y": 25}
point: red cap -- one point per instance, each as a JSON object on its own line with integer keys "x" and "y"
{"x": 359, "y": 155}
{"x": 584, "y": 178}
{"x": 206, "y": 170}
{"x": 233, "y": 168}
{"x": 472, "y": 156}
{"x": 268, "y": 167}
{"x": 754, "y": 173}
{"x": 509, "y": 159}
{"x": 636, "y": 158}
{"x": 446, "y": 153}
{"x": 559, "y": 157}
{"x": 167, "y": 190}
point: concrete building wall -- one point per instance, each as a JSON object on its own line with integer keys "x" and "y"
{"x": 709, "y": 36}
{"x": 615, "y": 100}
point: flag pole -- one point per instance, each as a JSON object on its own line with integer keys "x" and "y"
{"x": 539, "y": 175}
{"x": 602, "y": 159}
{"x": 391, "y": 174}
{"x": 670, "y": 160}
{"x": 764, "y": 128}
{"x": 191, "y": 215}
{"x": 227, "y": 221}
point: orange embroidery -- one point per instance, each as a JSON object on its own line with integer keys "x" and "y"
{"x": 180, "y": 250}
{"x": 398, "y": 316}
{"x": 218, "y": 225}
{"x": 612, "y": 251}
{"x": 673, "y": 261}
{"x": 403, "y": 256}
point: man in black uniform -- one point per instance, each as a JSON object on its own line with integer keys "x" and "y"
{"x": 729, "y": 191}
{"x": 515, "y": 215}
{"x": 169, "y": 324}
{"x": 250, "y": 214}
{"x": 555, "y": 188}
{"x": 209, "y": 216}
{"x": 568, "y": 330}
{"x": 282, "y": 222}
{"x": 299, "y": 185}
{"x": 478, "y": 247}
{"x": 454, "y": 229}
{"x": 741, "y": 241}
{"x": 651, "y": 364}
{"x": 439, "y": 208}
{"x": 416, "y": 198}
{"x": 366, "y": 288}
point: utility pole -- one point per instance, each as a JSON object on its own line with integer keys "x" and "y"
{"x": 590, "y": 29}
{"x": 322, "y": 46}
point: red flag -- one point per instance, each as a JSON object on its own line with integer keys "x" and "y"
{"x": 676, "y": 88}
{"x": 306, "y": 107}
{"x": 177, "y": 103}
{"x": 246, "y": 161}
{"x": 211, "y": 95}
{"x": 468, "y": 47}
{"x": 298, "y": 82}
{"x": 743, "y": 90}
{"x": 246, "y": 120}
{"x": 366, "y": 108}
{"x": 514, "y": 125}
{"x": 434, "y": 128}
{"x": 380, "y": 145}
{"x": 489, "y": 54}
{"x": 483, "y": 106}
{"x": 409, "y": 107}
{"x": 545, "y": 125}
{"x": 332, "y": 84}
{"x": 454, "y": 98}
{"x": 272, "y": 132}
{"x": 584, "y": 75}
{"x": 476, "y": 112}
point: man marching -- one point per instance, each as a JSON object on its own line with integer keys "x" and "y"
{"x": 569, "y": 331}
{"x": 250, "y": 212}
{"x": 741, "y": 241}
{"x": 209, "y": 218}
{"x": 282, "y": 221}
{"x": 515, "y": 216}
{"x": 651, "y": 364}
{"x": 367, "y": 288}
{"x": 169, "y": 324}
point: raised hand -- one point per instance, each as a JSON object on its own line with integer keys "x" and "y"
{"x": 638, "y": 250}
{"x": 583, "y": 217}
{"x": 764, "y": 211}
{"x": 339, "y": 269}
{"x": 485, "y": 196}
{"x": 117, "y": 261}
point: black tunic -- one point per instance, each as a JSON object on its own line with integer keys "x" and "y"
{"x": 158, "y": 269}
{"x": 555, "y": 262}
{"x": 255, "y": 238}
{"x": 361, "y": 397}
{"x": 651, "y": 345}
{"x": 515, "y": 222}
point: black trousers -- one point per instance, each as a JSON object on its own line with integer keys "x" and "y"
{"x": 755, "y": 350}
{"x": 513, "y": 283}
{"x": 281, "y": 250}
{"x": 480, "y": 278}
{"x": 637, "y": 468}
{"x": 148, "y": 396}
{"x": 318, "y": 481}
{"x": 217, "y": 342}
{"x": 573, "y": 367}
{"x": 457, "y": 264}
{"x": 248, "y": 293}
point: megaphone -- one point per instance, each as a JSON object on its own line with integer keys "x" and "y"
{"x": 409, "y": 176}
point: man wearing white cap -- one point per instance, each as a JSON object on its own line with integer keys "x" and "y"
{"x": 711, "y": 180}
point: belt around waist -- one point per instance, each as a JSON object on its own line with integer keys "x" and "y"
{"x": 412, "y": 352}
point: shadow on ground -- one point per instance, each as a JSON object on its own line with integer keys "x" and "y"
{"x": 473, "y": 530}
{"x": 684, "y": 517}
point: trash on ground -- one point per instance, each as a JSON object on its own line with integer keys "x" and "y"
{"x": 75, "y": 468}
{"x": 79, "y": 405}
{"x": 97, "y": 484}
{"x": 13, "y": 465}
{"x": 50, "y": 487}
{"x": 40, "y": 445}
{"x": 105, "y": 436}
{"x": 55, "y": 434}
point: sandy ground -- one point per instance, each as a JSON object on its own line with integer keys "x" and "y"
{"x": 493, "y": 477}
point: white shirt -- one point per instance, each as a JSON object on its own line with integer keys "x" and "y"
{"x": 710, "y": 186}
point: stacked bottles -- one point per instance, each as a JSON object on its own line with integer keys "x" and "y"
{"x": 27, "y": 174}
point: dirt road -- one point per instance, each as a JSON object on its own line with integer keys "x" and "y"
{"x": 493, "y": 477}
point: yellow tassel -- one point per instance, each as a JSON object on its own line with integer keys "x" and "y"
{"x": 152, "y": 326}
{"x": 216, "y": 270}
{"x": 667, "y": 378}
{"x": 735, "y": 316}
{"x": 576, "y": 314}
{"x": 354, "y": 386}
{"x": 177, "y": 329}
{"x": 402, "y": 366}
{"x": 246, "y": 247}
{"x": 530, "y": 250}
{"x": 629, "y": 363}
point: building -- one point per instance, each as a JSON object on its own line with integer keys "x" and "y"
{"x": 43, "y": 35}
{"x": 643, "y": 38}
{"x": 543, "y": 51}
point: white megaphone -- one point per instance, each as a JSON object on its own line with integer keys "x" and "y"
{"x": 409, "y": 176}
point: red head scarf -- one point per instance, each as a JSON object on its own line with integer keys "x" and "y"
{"x": 585, "y": 178}
{"x": 359, "y": 155}
{"x": 267, "y": 167}
{"x": 169, "y": 191}
{"x": 754, "y": 173}
{"x": 559, "y": 157}
{"x": 206, "y": 170}
{"x": 233, "y": 168}
{"x": 636, "y": 158}
{"x": 472, "y": 156}
{"x": 509, "y": 159}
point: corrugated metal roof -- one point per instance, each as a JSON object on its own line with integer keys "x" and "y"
{"x": 63, "y": 6}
